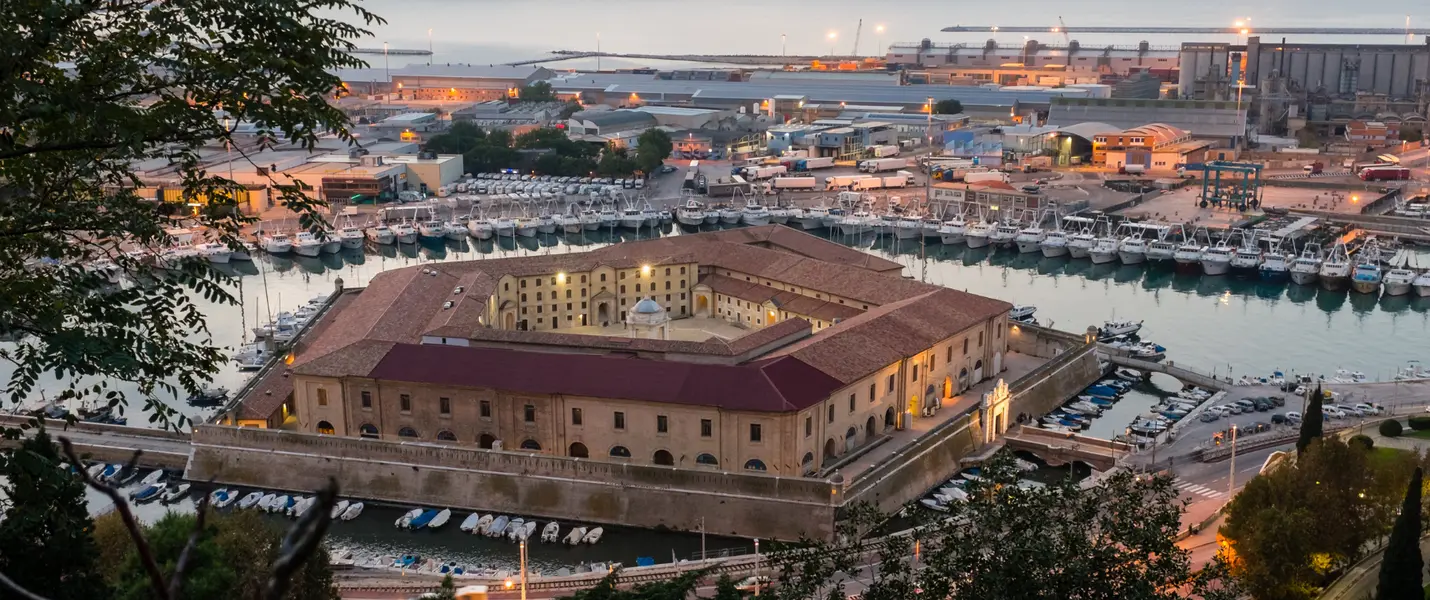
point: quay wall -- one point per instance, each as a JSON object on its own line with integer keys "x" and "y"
{"x": 1049, "y": 385}
{"x": 905, "y": 475}
{"x": 736, "y": 504}
{"x": 1042, "y": 342}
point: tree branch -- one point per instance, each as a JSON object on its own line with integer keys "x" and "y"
{"x": 9, "y": 584}
{"x": 176, "y": 581}
{"x": 146, "y": 556}
{"x": 302, "y": 541}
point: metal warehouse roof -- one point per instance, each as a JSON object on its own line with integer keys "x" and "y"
{"x": 1198, "y": 117}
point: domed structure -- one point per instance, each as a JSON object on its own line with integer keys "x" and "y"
{"x": 648, "y": 319}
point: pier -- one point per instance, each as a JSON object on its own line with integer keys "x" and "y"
{"x": 1402, "y": 31}
{"x": 391, "y": 51}
{"x": 738, "y": 59}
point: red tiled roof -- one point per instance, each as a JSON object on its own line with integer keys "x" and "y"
{"x": 786, "y": 300}
{"x": 776, "y": 385}
{"x": 794, "y": 241}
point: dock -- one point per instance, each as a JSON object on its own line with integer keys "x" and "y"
{"x": 737, "y": 59}
{"x": 1402, "y": 31}
{"x": 391, "y": 51}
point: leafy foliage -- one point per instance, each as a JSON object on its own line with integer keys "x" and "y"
{"x": 45, "y": 545}
{"x": 679, "y": 588}
{"x": 725, "y": 589}
{"x": 947, "y": 107}
{"x": 88, "y": 89}
{"x": 1312, "y": 422}
{"x": 1400, "y": 571}
{"x": 652, "y": 147}
{"x": 1411, "y": 134}
{"x": 537, "y": 92}
{"x": 1363, "y": 441}
{"x": 1391, "y": 428}
{"x": 448, "y": 589}
{"x": 481, "y": 151}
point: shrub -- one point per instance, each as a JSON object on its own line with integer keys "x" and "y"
{"x": 1420, "y": 423}
{"x": 1363, "y": 441}
{"x": 1391, "y": 428}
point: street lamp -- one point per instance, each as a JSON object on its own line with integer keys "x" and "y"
{"x": 832, "y": 35}
{"x": 879, "y": 29}
{"x": 1231, "y": 477}
{"x": 783, "y": 44}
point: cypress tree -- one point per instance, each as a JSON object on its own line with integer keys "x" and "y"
{"x": 1311, "y": 423}
{"x": 1400, "y": 570}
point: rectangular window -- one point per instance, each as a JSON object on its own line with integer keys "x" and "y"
{"x": 568, "y": 294}
{"x": 486, "y": 409}
{"x": 667, "y": 271}
{"x": 583, "y": 292}
{"x": 754, "y": 432}
{"x": 322, "y": 397}
{"x": 538, "y": 296}
{"x": 523, "y": 283}
{"x": 623, "y": 274}
{"x": 706, "y": 428}
{"x": 662, "y": 424}
{"x": 965, "y": 346}
{"x": 575, "y": 416}
{"x": 871, "y": 392}
{"x": 915, "y": 370}
{"x": 667, "y": 285}
{"x": 444, "y": 406}
{"x": 603, "y": 276}
{"x": 404, "y": 402}
{"x": 980, "y": 339}
{"x": 831, "y": 413}
{"x": 529, "y": 413}
{"x": 568, "y": 306}
{"x": 367, "y": 399}
{"x": 891, "y": 385}
{"x": 808, "y": 426}
{"x": 682, "y": 270}
{"x": 949, "y": 357}
{"x": 623, "y": 288}
{"x": 851, "y": 402}
{"x": 620, "y": 420}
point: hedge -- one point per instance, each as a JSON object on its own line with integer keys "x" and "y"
{"x": 1363, "y": 441}
{"x": 1391, "y": 428}
{"x": 1420, "y": 423}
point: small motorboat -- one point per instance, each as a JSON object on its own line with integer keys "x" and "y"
{"x": 422, "y": 519}
{"x": 441, "y": 519}
{"x": 550, "y": 532}
{"x": 592, "y": 536}
{"x": 575, "y": 536}
{"x": 152, "y": 478}
{"x": 933, "y": 504}
{"x": 497, "y": 526}
{"x": 206, "y": 397}
{"x": 109, "y": 472}
{"x": 251, "y": 500}
{"x": 148, "y": 493}
{"x": 1129, "y": 374}
{"x": 302, "y": 506}
{"x": 352, "y": 512}
{"x": 1022, "y": 313}
{"x": 526, "y": 530}
{"x": 483, "y": 523}
{"x": 1115, "y": 328}
{"x": 222, "y": 498}
{"x": 513, "y": 528}
{"x": 451, "y": 568}
{"x": 406, "y": 561}
{"x": 338, "y": 509}
{"x": 406, "y": 519}
{"x": 469, "y": 523}
{"x": 174, "y": 494}
{"x": 284, "y": 503}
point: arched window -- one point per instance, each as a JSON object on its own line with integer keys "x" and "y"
{"x": 808, "y": 458}
{"x": 368, "y": 430}
{"x": 578, "y": 450}
{"x": 978, "y": 364}
{"x": 849, "y": 435}
{"x": 530, "y": 445}
{"x": 407, "y": 432}
{"x": 486, "y": 440}
{"x": 663, "y": 458}
{"x": 325, "y": 428}
{"x": 620, "y": 452}
{"x": 754, "y": 464}
{"x": 707, "y": 459}
{"x": 888, "y": 418}
{"x": 446, "y": 436}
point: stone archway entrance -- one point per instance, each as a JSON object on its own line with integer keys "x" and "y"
{"x": 509, "y": 320}
{"x": 603, "y": 314}
{"x": 830, "y": 449}
{"x": 869, "y": 426}
{"x": 947, "y": 387}
{"x": 851, "y": 439}
{"x": 702, "y": 305}
{"x": 889, "y": 419}
{"x": 997, "y": 362}
{"x": 962, "y": 380}
{"x": 978, "y": 371}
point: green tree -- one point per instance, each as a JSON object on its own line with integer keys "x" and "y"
{"x": 1312, "y": 422}
{"x": 1411, "y": 134}
{"x": 725, "y": 589}
{"x": 615, "y": 162}
{"x": 45, "y": 543}
{"x": 537, "y": 92}
{"x": 91, "y": 88}
{"x": 462, "y": 137}
{"x": 948, "y": 107}
{"x": 569, "y": 110}
{"x": 652, "y": 148}
{"x": 679, "y": 588}
{"x": 448, "y": 589}
{"x": 1400, "y": 577}
{"x": 209, "y": 575}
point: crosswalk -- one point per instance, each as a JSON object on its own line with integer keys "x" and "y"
{"x": 1197, "y": 490}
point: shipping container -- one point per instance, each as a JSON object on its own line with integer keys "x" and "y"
{"x": 986, "y": 176}
{"x": 842, "y": 182}
{"x": 883, "y": 164}
{"x": 1385, "y": 174}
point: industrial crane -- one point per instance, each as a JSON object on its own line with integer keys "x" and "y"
{"x": 1064, "y": 28}
{"x": 857, "y": 31}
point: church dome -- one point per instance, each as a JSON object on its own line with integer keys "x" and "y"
{"x": 647, "y": 307}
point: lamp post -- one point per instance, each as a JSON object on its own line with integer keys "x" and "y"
{"x": 429, "y": 46}
{"x": 783, "y": 44}
{"x": 832, "y": 36}
{"x": 1231, "y": 477}
{"x": 523, "y": 570}
{"x": 385, "y": 70}
{"x": 879, "y": 38}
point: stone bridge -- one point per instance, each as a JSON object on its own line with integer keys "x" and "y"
{"x": 115, "y": 443}
{"x": 1058, "y": 448}
{"x": 1201, "y": 380}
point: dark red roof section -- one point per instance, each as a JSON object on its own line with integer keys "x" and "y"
{"x": 777, "y": 385}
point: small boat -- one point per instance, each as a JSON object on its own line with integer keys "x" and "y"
{"x": 1217, "y": 259}
{"x": 497, "y": 526}
{"x": 148, "y": 493}
{"x": 1275, "y": 266}
{"x": 406, "y": 519}
{"x": 469, "y": 523}
{"x": 1021, "y": 312}
{"x": 381, "y": 235}
{"x": 152, "y": 478}
{"x": 1129, "y": 374}
{"x": 405, "y": 233}
{"x": 250, "y": 500}
{"x": 331, "y": 243}
{"x": 441, "y": 519}
{"x": 592, "y": 536}
{"x": 513, "y": 528}
{"x": 483, "y": 523}
{"x": 406, "y": 561}
{"x": 282, "y": 504}
{"x": 933, "y": 504}
{"x": 550, "y": 532}
{"x": 338, "y": 509}
{"x": 1024, "y": 465}
{"x": 109, "y": 472}
{"x": 575, "y": 536}
{"x": 215, "y": 253}
{"x": 1117, "y": 328}
{"x": 222, "y": 497}
{"x": 352, "y": 512}
{"x": 302, "y": 505}
{"x": 422, "y": 519}
{"x": 1422, "y": 284}
{"x": 174, "y": 494}
{"x": 1397, "y": 281}
{"x": 524, "y": 532}
{"x": 209, "y": 396}
{"x": 1188, "y": 256}
{"x": 350, "y": 237}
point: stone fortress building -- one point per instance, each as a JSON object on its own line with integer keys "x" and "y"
{"x": 761, "y": 349}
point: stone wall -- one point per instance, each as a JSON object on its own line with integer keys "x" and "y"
{"x": 907, "y": 474}
{"x": 1041, "y": 342}
{"x": 736, "y": 504}
{"x": 1051, "y": 384}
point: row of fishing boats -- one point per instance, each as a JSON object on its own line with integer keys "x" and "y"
{"x": 1078, "y": 413}
{"x": 956, "y": 490}
{"x": 155, "y": 485}
{"x": 284, "y": 328}
{"x": 290, "y": 505}
{"x": 515, "y": 529}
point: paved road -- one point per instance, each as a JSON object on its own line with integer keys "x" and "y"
{"x": 1360, "y": 581}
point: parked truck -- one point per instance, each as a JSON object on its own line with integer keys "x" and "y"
{"x": 883, "y": 164}
{"x": 1384, "y": 174}
{"x": 1132, "y": 169}
{"x": 1314, "y": 168}
{"x": 822, "y": 162}
{"x": 884, "y": 151}
{"x": 986, "y": 176}
{"x": 842, "y": 182}
{"x": 955, "y": 173}
{"x": 794, "y": 183}
{"x": 764, "y": 172}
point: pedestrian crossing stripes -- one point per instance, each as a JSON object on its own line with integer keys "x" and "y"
{"x": 1198, "y": 490}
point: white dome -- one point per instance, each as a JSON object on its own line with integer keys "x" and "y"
{"x": 647, "y": 307}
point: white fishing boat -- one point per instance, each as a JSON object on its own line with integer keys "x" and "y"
{"x": 1021, "y": 312}
{"x": 951, "y": 231}
{"x": 504, "y": 226}
{"x": 569, "y": 223}
{"x": 482, "y": 229}
{"x": 1217, "y": 259}
{"x": 884, "y": 224}
{"x": 780, "y": 216}
{"x": 307, "y": 244}
{"x": 250, "y": 500}
{"x": 1335, "y": 272}
{"x": 546, "y": 224}
{"x": 407, "y": 517}
{"x": 1119, "y": 327}
{"x": 1367, "y": 275}
{"x": 632, "y": 218}
{"x": 513, "y": 528}
{"x": 352, "y": 511}
{"x": 441, "y": 519}
{"x": 276, "y": 243}
{"x": 730, "y": 215}
{"x": 1132, "y": 249}
{"x": 712, "y": 216}
{"x": 692, "y": 214}
{"x": 1397, "y": 281}
{"x": 754, "y": 214}
{"x": 1188, "y": 255}
{"x": 1422, "y": 284}
{"x": 1275, "y": 266}
{"x": 858, "y": 223}
{"x": 908, "y": 227}
{"x": 1306, "y": 267}
{"x": 215, "y": 253}
{"x": 575, "y": 536}
{"x": 469, "y": 523}
{"x": 592, "y": 536}
{"x": 1030, "y": 239}
{"x": 338, "y": 509}
{"x": 1004, "y": 233}
{"x": 1104, "y": 250}
{"x": 1080, "y": 244}
{"x": 456, "y": 230}
{"x": 590, "y": 220}
{"x": 810, "y": 218}
{"x": 609, "y": 217}
{"x": 381, "y": 235}
{"x": 431, "y": 230}
{"x": 405, "y": 233}
{"x": 1246, "y": 261}
{"x": 978, "y": 234}
{"x": 350, "y": 237}
{"x": 550, "y": 532}
{"x": 331, "y": 242}
{"x": 244, "y": 252}
{"x": 525, "y": 228}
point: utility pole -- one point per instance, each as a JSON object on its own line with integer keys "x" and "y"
{"x": 598, "y": 51}
{"x": 523, "y": 570}
{"x": 702, "y": 538}
{"x": 783, "y": 44}
{"x": 385, "y": 69}
{"x": 429, "y": 46}
{"x": 1231, "y": 477}
{"x": 757, "y": 567}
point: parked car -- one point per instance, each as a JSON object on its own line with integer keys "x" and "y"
{"x": 1370, "y": 409}
{"x": 1278, "y": 419}
{"x": 666, "y": 169}
{"x": 1209, "y": 416}
{"x": 1293, "y": 418}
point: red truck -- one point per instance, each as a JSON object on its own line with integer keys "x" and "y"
{"x": 1385, "y": 174}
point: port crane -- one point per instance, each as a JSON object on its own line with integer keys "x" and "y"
{"x": 1063, "y": 27}
{"x": 857, "y": 30}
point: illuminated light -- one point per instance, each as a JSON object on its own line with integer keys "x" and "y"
{"x": 399, "y": 85}
{"x": 1245, "y": 31}
{"x": 288, "y": 360}
{"x": 507, "y": 583}
{"x": 560, "y": 278}
{"x": 1355, "y": 199}
{"x": 645, "y": 269}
